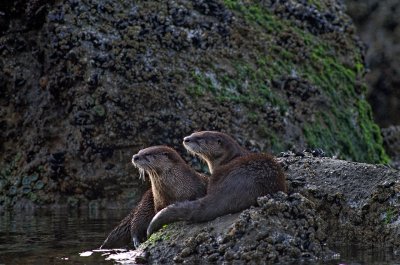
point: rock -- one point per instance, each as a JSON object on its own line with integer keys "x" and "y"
{"x": 26, "y": 190}
{"x": 39, "y": 185}
{"x": 87, "y": 84}
{"x": 310, "y": 230}
{"x": 3, "y": 184}
{"x": 12, "y": 191}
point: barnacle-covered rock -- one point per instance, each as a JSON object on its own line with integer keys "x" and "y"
{"x": 85, "y": 84}
{"x": 304, "y": 225}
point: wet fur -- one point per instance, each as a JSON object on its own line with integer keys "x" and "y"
{"x": 233, "y": 186}
{"x": 172, "y": 183}
{"x": 132, "y": 227}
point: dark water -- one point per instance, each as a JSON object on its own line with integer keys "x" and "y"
{"x": 357, "y": 255}
{"x": 57, "y": 237}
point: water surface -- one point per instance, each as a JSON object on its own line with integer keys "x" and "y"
{"x": 55, "y": 237}
{"x": 59, "y": 236}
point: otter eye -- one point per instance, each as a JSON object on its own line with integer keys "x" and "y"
{"x": 219, "y": 141}
{"x": 165, "y": 154}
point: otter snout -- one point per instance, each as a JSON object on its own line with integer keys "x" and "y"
{"x": 187, "y": 139}
{"x": 135, "y": 158}
{"x": 189, "y": 142}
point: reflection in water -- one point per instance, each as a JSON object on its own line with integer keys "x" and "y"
{"x": 55, "y": 237}
{"x": 67, "y": 237}
{"x": 358, "y": 255}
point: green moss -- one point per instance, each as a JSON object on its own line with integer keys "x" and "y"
{"x": 253, "y": 116}
{"x": 201, "y": 84}
{"x": 99, "y": 110}
{"x": 371, "y": 133}
{"x": 338, "y": 134}
{"x": 248, "y": 85}
{"x": 274, "y": 142}
{"x": 342, "y": 126}
{"x": 390, "y": 215}
{"x": 316, "y": 3}
{"x": 33, "y": 197}
{"x": 161, "y": 235}
{"x": 256, "y": 14}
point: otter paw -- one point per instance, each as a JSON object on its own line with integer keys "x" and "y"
{"x": 149, "y": 231}
{"x": 152, "y": 228}
{"x": 158, "y": 221}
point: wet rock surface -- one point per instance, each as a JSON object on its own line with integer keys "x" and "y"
{"x": 86, "y": 84}
{"x": 330, "y": 202}
{"x": 281, "y": 228}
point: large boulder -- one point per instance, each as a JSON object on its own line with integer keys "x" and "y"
{"x": 330, "y": 203}
{"x": 86, "y": 84}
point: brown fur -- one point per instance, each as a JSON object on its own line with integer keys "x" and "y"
{"x": 172, "y": 180}
{"x": 214, "y": 148}
{"x": 234, "y": 185}
{"x": 133, "y": 226}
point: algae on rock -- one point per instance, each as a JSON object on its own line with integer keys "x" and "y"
{"x": 323, "y": 209}
{"x": 92, "y": 82}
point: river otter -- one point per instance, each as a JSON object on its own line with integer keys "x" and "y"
{"x": 172, "y": 180}
{"x": 132, "y": 228}
{"x": 237, "y": 179}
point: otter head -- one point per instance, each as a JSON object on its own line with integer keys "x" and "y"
{"x": 215, "y": 148}
{"x": 155, "y": 160}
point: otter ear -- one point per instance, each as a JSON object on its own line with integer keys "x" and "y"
{"x": 165, "y": 154}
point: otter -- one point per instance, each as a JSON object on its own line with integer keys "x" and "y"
{"x": 238, "y": 178}
{"x": 132, "y": 228}
{"x": 172, "y": 180}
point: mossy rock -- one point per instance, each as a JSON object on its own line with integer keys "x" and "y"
{"x": 99, "y": 110}
{"x": 39, "y": 185}
{"x": 276, "y": 75}
{"x": 26, "y": 190}
{"x": 3, "y": 184}
{"x": 12, "y": 191}
{"x": 28, "y": 180}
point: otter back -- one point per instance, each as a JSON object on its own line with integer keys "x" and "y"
{"x": 233, "y": 187}
{"x": 258, "y": 171}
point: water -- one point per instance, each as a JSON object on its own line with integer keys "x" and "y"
{"x": 55, "y": 237}
{"x": 357, "y": 255}
{"x": 58, "y": 237}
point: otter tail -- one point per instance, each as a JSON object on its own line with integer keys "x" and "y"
{"x": 133, "y": 227}
{"x": 142, "y": 217}
{"x": 120, "y": 236}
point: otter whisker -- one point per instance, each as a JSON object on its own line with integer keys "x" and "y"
{"x": 142, "y": 174}
{"x": 191, "y": 152}
{"x": 195, "y": 154}
{"x": 167, "y": 187}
